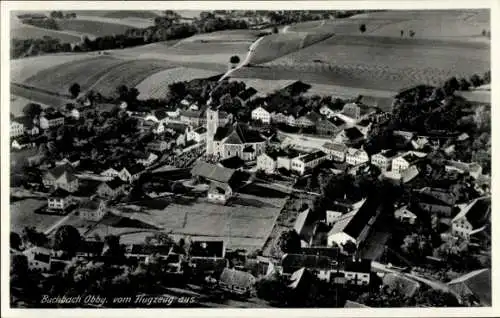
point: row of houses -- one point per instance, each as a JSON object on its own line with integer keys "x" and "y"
{"x": 300, "y": 163}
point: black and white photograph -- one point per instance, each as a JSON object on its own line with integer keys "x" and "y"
{"x": 248, "y": 158}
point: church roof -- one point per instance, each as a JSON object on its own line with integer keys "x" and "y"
{"x": 238, "y": 134}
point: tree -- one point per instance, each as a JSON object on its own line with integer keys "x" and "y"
{"x": 32, "y": 110}
{"x": 349, "y": 247}
{"x": 32, "y": 236}
{"x": 234, "y": 59}
{"x": 15, "y": 241}
{"x": 476, "y": 80}
{"x": 289, "y": 241}
{"x": 483, "y": 32}
{"x": 275, "y": 30}
{"x": 402, "y": 32}
{"x": 273, "y": 289}
{"x": 487, "y": 77}
{"x": 362, "y": 28}
{"x": 412, "y": 33}
{"x": 450, "y": 86}
{"x": 74, "y": 90}
{"x": 463, "y": 85}
{"x": 67, "y": 238}
{"x": 19, "y": 265}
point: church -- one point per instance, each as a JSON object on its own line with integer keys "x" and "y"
{"x": 233, "y": 139}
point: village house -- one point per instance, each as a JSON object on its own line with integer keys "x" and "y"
{"x": 158, "y": 128}
{"x": 384, "y": 104}
{"x": 404, "y": 161}
{"x": 357, "y": 271}
{"x": 191, "y": 117}
{"x": 219, "y": 192}
{"x": 356, "y": 156}
{"x": 39, "y": 259}
{"x": 352, "y": 110}
{"x": 306, "y": 162}
{"x": 158, "y": 145}
{"x": 110, "y": 173}
{"x": 350, "y": 136}
{"x": 197, "y": 135}
{"x": 338, "y": 209}
{"x": 73, "y": 160}
{"x": 364, "y": 126}
{"x": 328, "y": 111}
{"x": 404, "y": 215}
{"x": 472, "y": 218}
{"x": 61, "y": 177}
{"x": 335, "y": 151}
{"x": 261, "y": 114}
{"x": 19, "y": 143}
{"x": 219, "y": 178}
{"x": 267, "y": 162}
{"x": 354, "y": 226}
{"x": 111, "y": 189}
{"x": 308, "y": 120}
{"x": 59, "y": 200}
{"x": 146, "y": 159}
{"x": 207, "y": 249}
{"x": 16, "y": 128}
{"x": 51, "y": 120}
{"x": 434, "y": 205}
{"x": 278, "y": 117}
{"x": 329, "y": 126}
{"x": 92, "y": 210}
{"x": 157, "y": 116}
{"x": 237, "y": 282}
{"x": 383, "y": 159}
{"x": 131, "y": 173}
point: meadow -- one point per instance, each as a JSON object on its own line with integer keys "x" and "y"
{"x": 96, "y": 28}
{"x": 24, "y": 32}
{"x": 22, "y": 215}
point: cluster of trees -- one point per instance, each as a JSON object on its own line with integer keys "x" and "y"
{"x": 391, "y": 297}
{"x": 42, "y": 23}
{"x": 462, "y": 84}
{"x": 62, "y": 15}
{"x": 30, "y": 47}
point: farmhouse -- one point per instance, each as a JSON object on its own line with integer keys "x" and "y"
{"x": 59, "y": 200}
{"x": 329, "y": 126}
{"x": 353, "y": 226}
{"x": 305, "y": 162}
{"x": 350, "y": 136}
{"x": 111, "y": 189}
{"x": 404, "y": 215}
{"x": 294, "y": 262}
{"x": 16, "y": 128}
{"x": 236, "y": 282}
{"x": 335, "y": 151}
{"x": 261, "y": 114}
{"x": 147, "y": 159}
{"x": 39, "y": 259}
{"x": 219, "y": 192}
{"x": 219, "y": 178}
{"x": 267, "y": 162}
{"x": 73, "y": 160}
{"x": 308, "y": 120}
{"x": 356, "y": 156}
{"x": 472, "y": 218}
{"x": 157, "y": 116}
{"x": 131, "y": 173}
{"x": 61, "y": 177}
{"x": 19, "y": 143}
{"x": 191, "y": 117}
{"x": 92, "y": 210}
{"x": 403, "y": 162}
{"x": 383, "y": 159}
{"x": 357, "y": 271}
{"x": 328, "y": 111}
{"x": 158, "y": 145}
{"x": 51, "y": 120}
{"x": 197, "y": 135}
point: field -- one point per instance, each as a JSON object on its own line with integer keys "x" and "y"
{"x": 22, "y": 69}
{"x": 24, "y": 32}
{"x": 130, "y": 22}
{"x": 156, "y": 85}
{"x": 143, "y": 14}
{"x": 263, "y": 87}
{"x": 96, "y": 28}
{"x": 225, "y": 36}
{"x": 17, "y": 103}
{"x": 244, "y": 223}
{"x": 103, "y": 74}
{"x": 22, "y": 215}
{"x": 35, "y": 96}
{"x": 276, "y": 45}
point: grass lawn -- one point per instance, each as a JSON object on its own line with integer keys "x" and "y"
{"x": 22, "y": 214}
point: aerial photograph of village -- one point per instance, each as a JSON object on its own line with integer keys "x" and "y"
{"x": 250, "y": 158}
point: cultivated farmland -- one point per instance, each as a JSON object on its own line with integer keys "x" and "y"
{"x": 144, "y": 14}
{"x": 103, "y": 74}
{"x": 129, "y": 22}
{"x": 24, "y": 32}
{"x": 96, "y": 28}
{"x": 35, "y": 96}
{"x": 156, "y": 85}
{"x": 277, "y": 45}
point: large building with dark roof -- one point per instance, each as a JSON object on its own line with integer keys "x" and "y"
{"x": 232, "y": 140}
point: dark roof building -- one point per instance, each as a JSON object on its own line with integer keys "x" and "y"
{"x": 212, "y": 172}
{"x": 294, "y": 262}
{"x": 207, "y": 249}
{"x": 238, "y": 134}
{"x": 233, "y": 162}
{"x": 247, "y": 94}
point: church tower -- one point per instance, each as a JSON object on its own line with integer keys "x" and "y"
{"x": 212, "y": 124}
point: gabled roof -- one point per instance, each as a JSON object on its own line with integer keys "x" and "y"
{"x": 335, "y": 146}
{"x": 191, "y": 113}
{"x": 353, "y": 133}
{"x": 296, "y": 277}
{"x": 44, "y": 258}
{"x": 292, "y": 262}
{"x": 240, "y": 134}
{"x": 246, "y": 94}
{"x": 476, "y": 212}
{"x": 354, "y": 222}
{"x": 232, "y": 277}
{"x": 207, "y": 249}
{"x": 212, "y": 172}
{"x": 177, "y": 127}
{"x": 218, "y": 187}
{"x": 313, "y": 117}
{"x": 146, "y": 249}
{"x": 135, "y": 169}
{"x": 114, "y": 184}
{"x": 312, "y": 156}
{"x": 233, "y": 162}
{"x": 65, "y": 171}
{"x": 301, "y": 221}
{"x": 90, "y": 205}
